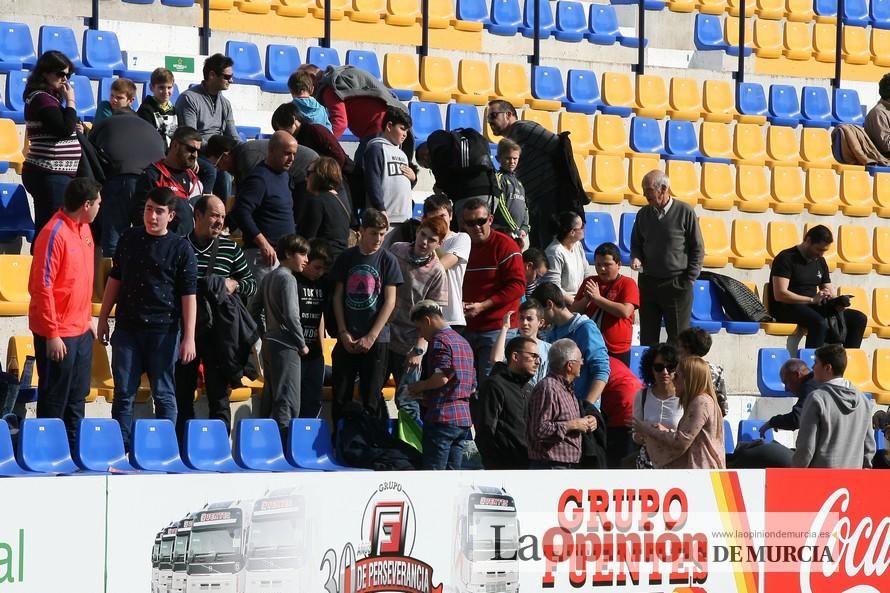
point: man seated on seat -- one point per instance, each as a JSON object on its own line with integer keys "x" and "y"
{"x": 800, "y": 286}
{"x": 798, "y": 379}
{"x": 877, "y": 122}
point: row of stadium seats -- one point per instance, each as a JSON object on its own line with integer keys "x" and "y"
{"x": 869, "y": 376}
{"x": 175, "y": 3}
{"x": 860, "y": 13}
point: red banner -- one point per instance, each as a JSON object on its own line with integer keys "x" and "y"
{"x": 394, "y": 573}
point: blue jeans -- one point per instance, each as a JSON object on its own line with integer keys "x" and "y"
{"x": 133, "y": 353}
{"x": 48, "y": 192}
{"x": 482, "y": 343}
{"x": 117, "y": 201}
{"x": 63, "y": 386}
{"x": 443, "y": 445}
{"x": 403, "y": 378}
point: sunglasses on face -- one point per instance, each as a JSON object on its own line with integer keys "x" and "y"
{"x": 191, "y": 149}
{"x": 660, "y": 368}
{"x": 226, "y": 76}
{"x": 492, "y": 115}
{"x": 476, "y": 221}
{"x": 62, "y": 74}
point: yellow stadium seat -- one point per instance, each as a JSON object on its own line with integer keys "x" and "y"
{"x": 511, "y": 84}
{"x": 824, "y": 42}
{"x": 402, "y": 13}
{"x": 879, "y": 47}
{"x": 684, "y": 99}
{"x": 437, "y": 82}
{"x": 881, "y": 374}
{"x": 733, "y": 8}
{"x": 685, "y": 185}
{"x": 748, "y": 145}
{"x": 543, "y": 118}
{"x": 714, "y": 140}
{"x": 752, "y": 286}
{"x": 103, "y": 269}
{"x": 731, "y": 31}
{"x": 767, "y": 39}
{"x": 681, "y": 5}
{"x": 786, "y": 191}
{"x": 14, "y": 296}
{"x": 781, "y": 147}
{"x": 855, "y": 195}
{"x": 637, "y": 167}
{"x": 881, "y": 194}
{"x": 780, "y": 236}
{"x": 617, "y": 90}
{"x": 711, "y": 6}
{"x": 854, "y": 46}
{"x": 339, "y": 9}
{"x": 610, "y": 135}
{"x": 748, "y": 245}
{"x": 716, "y": 238}
{"x": 291, "y": 8}
{"x": 255, "y": 385}
{"x": 584, "y": 173}
{"x": 800, "y": 11}
{"x": 607, "y": 178}
{"x": 717, "y": 186}
{"x": 880, "y": 302}
{"x": 881, "y": 250}
{"x": 752, "y": 188}
{"x": 400, "y": 72}
{"x": 797, "y": 42}
{"x": 20, "y": 347}
{"x": 651, "y": 97}
{"x": 441, "y": 14}
{"x": 821, "y": 192}
{"x": 718, "y": 99}
{"x": 775, "y": 328}
{"x": 859, "y": 372}
{"x": 854, "y": 249}
{"x": 830, "y": 255}
{"x": 815, "y": 151}
{"x": 366, "y": 11}
{"x": 487, "y": 131}
{"x": 770, "y": 9}
{"x": 101, "y": 381}
{"x": 238, "y": 394}
{"x": 221, "y": 4}
{"x": 474, "y": 82}
{"x": 254, "y": 6}
{"x": 860, "y": 303}
{"x": 10, "y": 145}
{"x": 580, "y": 129}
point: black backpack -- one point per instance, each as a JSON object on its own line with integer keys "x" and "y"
{"x": 470, "y": 155}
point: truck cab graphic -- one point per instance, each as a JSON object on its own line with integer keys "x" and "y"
{"x": 165, "y": 559}
{"x": 487, "y": 542}
{"x": 275, "y": 543}
{"x": 155, "y": 558}
{"x": 180, "y": 554}
{"x": 216, "y": 559}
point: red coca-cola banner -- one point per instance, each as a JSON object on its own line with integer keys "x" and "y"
{"x": 827, "y": 531}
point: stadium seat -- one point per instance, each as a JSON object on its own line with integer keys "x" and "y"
{"x": 281, "y": 62}
{"x": 855, "y": 12}
{"x": 598, "y": 229}
{"x": 292, "y": 8}
{"x": 253, "y": 6}
{"x": 437, "y": 82}
{"x": 859, "y": 371}
{"x": 731, "y": 35}
{"x": 637, "y": 168}
{"x": 645, "y": 137}
{"x": 824, "y": 42}
{"x": 571, "y": 22}
{"x": 796, "y": 41}
{"x": 855, "y": 194}
{"x": 511, "y": 83}
{"x": 462, "y": 116}
{"x": 718, "y": 101}
{"x": 86, "y": 100}
{"x": 400, "y": 75}
{"x": 684, "y": 99}
{"x": 602, "y": 25}
{"x": 338, "y": 9}
{"x": 770, "y": 9}
{"x": 749, "y": 147}
{"x": 582, "y": 92}
{"x": 248, "y": 132}
{"x": 728, "y": 441}
{"x": 715, "y": 143}
{"x": 748, "y": 244}
{"x": 859, "y": 302}
{"x": 749, "y": 430}
{"x": 625, "y": 229}
{"x": 685, "y": 185}
{"x": 19, "y": 348}
{"x": 714, "y": 309}
{"x": 880, "y": 303}
{"x": 155, "y": 447}
{"x": 784, "y": 106}
{"x": 854, "y": 46}
{"x": 717, "y": 186}
{"x": 309, "y": 445}
{"x": 815, "y": 150}
{"x": 880, "y": 377}
{"x": 751, "y": 103}
{"x": 708, "y": 33}
{"x": 441, "y": 16}
{"x": 426, "y": 119}
{"x": 752, "y": 189}
{"x": 767, "y": 39}
{"x": 542, "y": 118}
{"x": 544, "y": 18}
{"x": 402, "y": 13}
{"x": 780, "y": 236}
{"x": 815, "y": 107}
{"x": 580, "y": 130}
{"x": 474, "y": 84}
{"x": 14, "y": 296}
{"x": 881, "y": 250}
{"x": 583, "y": 171}
{"x": 547, "y": 84}
{"x": 879, "y": 13}
{"x": 830, "y": 256}
{"x": 881, "y": 194}
{"x": 651, "y": 96}
{"x": 800, "y": 11}
{"x": 821, "y": 192}
{"x": 258, "y": 446}
{"x": 16, "y": 47}
{"x": 100, "y": 446}
{"x": 102, "y": 54}
{"x": 366, "y": 60}
{"x": 248, "y": 68}
{"x": 609, "y": 135}
{"x": 15, "y": 213}
{"x": 715, "y": 7}
{"x": 680, "y": 141}
{"x": 322, "y": 56}
{"x": 101, "y": 380}
{"x": 43, "y": 447}
{"x": 636, "y": 357}
{"x": 60, "y": 39}
{"x": 617, "y": 94}
{"x": 206, "y": 446}
{"x": 846, "y": 108}
{"x": 607, "y": 179}
{"x": 706, "y": 310}
{"x": 9, "y": 467}
{"x": 854, "y": 249}
{"x": 13, "y": 104}
{"x": 716, "y": 238}
{"x": 472, "y": 11}
{"x": 506, "y": 17}
{"x": 781, "y": 147}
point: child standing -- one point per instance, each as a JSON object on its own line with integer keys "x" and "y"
{"x": 511, "y": 211}
{"x": 301, "y": 87}
{"x": 157, "y": 109}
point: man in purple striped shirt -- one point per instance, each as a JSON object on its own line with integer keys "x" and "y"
{"x": 449, "y": 384}
{"x": 555, "y": 425}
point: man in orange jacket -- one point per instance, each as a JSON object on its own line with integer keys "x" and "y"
{"x": 60, "y": 317}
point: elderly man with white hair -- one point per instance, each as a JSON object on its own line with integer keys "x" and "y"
{"x": 554, "y": 423}
{"x": 666, "y": 247}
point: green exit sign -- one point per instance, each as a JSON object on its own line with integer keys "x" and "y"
{"x": 179, "y": 65}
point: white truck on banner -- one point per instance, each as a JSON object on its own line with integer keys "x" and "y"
{"x": 487, "y": 538}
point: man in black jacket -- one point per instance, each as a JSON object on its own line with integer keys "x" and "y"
{"x": 799, "y": 380}
{"x": 499, "y": 410}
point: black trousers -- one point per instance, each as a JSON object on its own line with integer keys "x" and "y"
{"x": 619, "y": 444}
{"x": 817, "y": 326}
{"x": 63, "y": 386}
{"x": 371, "y": 370}
{"x": 215, "y": 386}
{"x": 664, "y": 299}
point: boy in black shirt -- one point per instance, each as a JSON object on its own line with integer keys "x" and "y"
{"x": 314, "y": 294}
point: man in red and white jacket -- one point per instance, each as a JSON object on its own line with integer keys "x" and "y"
{"x": 494, "y": 282}
{"x": 60, "y": 312}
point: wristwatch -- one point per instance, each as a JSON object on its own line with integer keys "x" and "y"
{"x": 417, "y": 351}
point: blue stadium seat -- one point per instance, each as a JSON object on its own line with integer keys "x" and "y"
{"x": 602, "y": 25}
{"x": 645, "y": 136}
{"x": 322, "y": 56}
{"x": 879, "y": 12}
{"x": 547, "y": 83}
{"x": 417, "y": 210}
{"x": 728, "y": 444}
{"x": 825, "y": 8}
{"x": 86, "y": 101}
{"x": 16, "y": 47}
{"x": 309, "y": 445}
{"x": 681, "y": 141}
{"x": 366, "y": 60}
{"x": 815, "y": 107}
{"x": 808, "y": 355}
{"x": 855, "y": 13}
{"x": 879, "y": 440}
{"x": 769, "y": 362}
{"x": 749, "y": 430}
{"x": 506, "y": 17}
{"x": 751, "y": 99}
{"x": 139, "y": 1}
{"x": 248, "y": 68}
{"x": 647, "y": 4}
{"x": 155, "y": 447}
{"x": 207, "y": 446}
{"x": 625, "y": 228}
{"x": 571, "y": 22}
{"x": 258, "y": 446}
{"x": 582, "y": 92}
{"x": 706, "y": 311}
{"x": 248, "y": 132}
{"x": 846, "y": 108}
{"x": 733, "y": 327}
{"x": 472, "y": 10}
{"x": 101, "y": 54}
{"x": 708, "y": 33}
{"x": 13, "y": 105}
{"x": 178, "y": 3}
{"x": 636, "y": 357}
{"x": 281, "y": 61}
{"x": 100, "y": 446}
{"x": 426, "y": 119}
{"x": 784, "y": 106}
{"x": 43, "y": 447}
{"x": 458, "y": 115}
{"x": 598, "y": 229}
{"x": 61, "y": 39}
{"x": 545, "y": 18}
{"x": 15, "y": 214}
{"x": 9, "y": 467}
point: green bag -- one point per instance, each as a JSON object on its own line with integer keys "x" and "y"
{"x": 410, "y": 431}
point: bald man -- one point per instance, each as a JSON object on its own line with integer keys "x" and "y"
{"x": 264, "y": 205}
{"x": 666, "y": 247}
